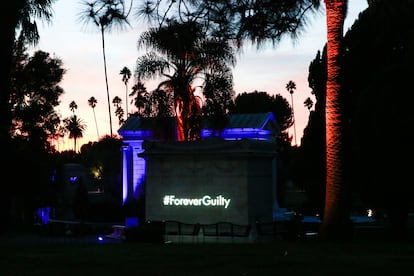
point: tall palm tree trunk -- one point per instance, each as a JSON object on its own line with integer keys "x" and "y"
{"x": 294, "y": 121}
{"x": 335, "y": 212}
{"x": 106, "y": 79}
{"x": 126, "y": 100}
{"x": 96, "y": 123}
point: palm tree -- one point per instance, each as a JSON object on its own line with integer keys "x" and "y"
{"x": 336, "y": 213}
{"x": 181, "y": 54}
{"x": 105, "y": 14}
{"x": 76, "y": 127}
{"x": 291, "y": 87}
{"x": 308, "y": 103}
{"x": 73, "y": 106}
{"x": 126, "y": 75}
{"x": 92, "y": 103}
{"x": 119, "y": 112}
{"x": 141, "y": 99}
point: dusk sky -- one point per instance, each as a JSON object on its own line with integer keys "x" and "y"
{"x": 266, "y": 69}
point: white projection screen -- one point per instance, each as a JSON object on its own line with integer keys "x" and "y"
{"x": 202, "y": 182}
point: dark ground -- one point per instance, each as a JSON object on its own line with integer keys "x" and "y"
{"x": 39, "y": 254}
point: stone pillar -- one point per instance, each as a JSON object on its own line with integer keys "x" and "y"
{"x": 125, "y": 173}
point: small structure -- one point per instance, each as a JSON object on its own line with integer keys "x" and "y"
{"x": 228, "y": 175}
{"x": 74, "y": 194}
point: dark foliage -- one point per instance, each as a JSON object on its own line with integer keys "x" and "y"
{"x": 309, "y": 169}
{"x": 257, "y": 21}
{"x": 106, "y": 157}
{"x": 34, "y": 94}
{"x": 378, "y": 55}
{"x": 257, "y": 102}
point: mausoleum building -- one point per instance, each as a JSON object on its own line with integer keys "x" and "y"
{"x": 228, "y": 175}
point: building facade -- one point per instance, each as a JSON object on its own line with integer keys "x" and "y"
{"x": 228, "y": 175}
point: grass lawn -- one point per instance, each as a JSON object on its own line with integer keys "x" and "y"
{"x": 310, "y": 257}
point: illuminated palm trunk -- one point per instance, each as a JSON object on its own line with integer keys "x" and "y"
{"x": 180, "y": 120}
{"x": 335, "y": 211}
{"x": 186, "y": 108}
{"x": 182, "y": 112}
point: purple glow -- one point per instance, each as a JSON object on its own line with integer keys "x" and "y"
{"x": 131, "y": 222}
{"x": 140, "y": 170}
{"x": 133, "y": 173}
{"x": 125, "y": 172}
{"x": 43, "y": 214}
{"x": 240, "y": 133}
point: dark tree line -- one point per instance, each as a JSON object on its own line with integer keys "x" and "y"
{"x": 17, "y": 25}
{"x": 378, "y": 55}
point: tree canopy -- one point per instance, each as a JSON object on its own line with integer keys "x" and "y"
{"x": 255, "y": 102}
{"x": 257, "y": 21}
{"x": 34, "y": 94}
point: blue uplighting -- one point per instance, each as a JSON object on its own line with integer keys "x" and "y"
{"x": 136, "y": 130}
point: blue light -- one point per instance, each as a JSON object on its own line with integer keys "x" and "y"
{"x": 131, "y": 222}
{"x": 240, "y": 133}
{"x": 43, "y": 214}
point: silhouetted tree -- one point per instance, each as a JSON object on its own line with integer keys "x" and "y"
{"x": 126, "y": 75}
{"x": 105, "y": 14}
{"x": 218, "y": 98}
{"x": 35, "y": 92}
{"x": 291, "y": 87}
{"x": 33, "y": 95}
{"x": 308, "y": 103}
{"x": 141, "y": 99}
{"x": 119, "y": 112}
{"x": 19, "y": 25}
{"x": 73, "y": 106}
{"x": 256, "y": 21}
{"x": 258, "y": 102}
{"x": 75, "y": 127}
{"x": 92, "y": 101}
{"x": 182, "y": 54}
